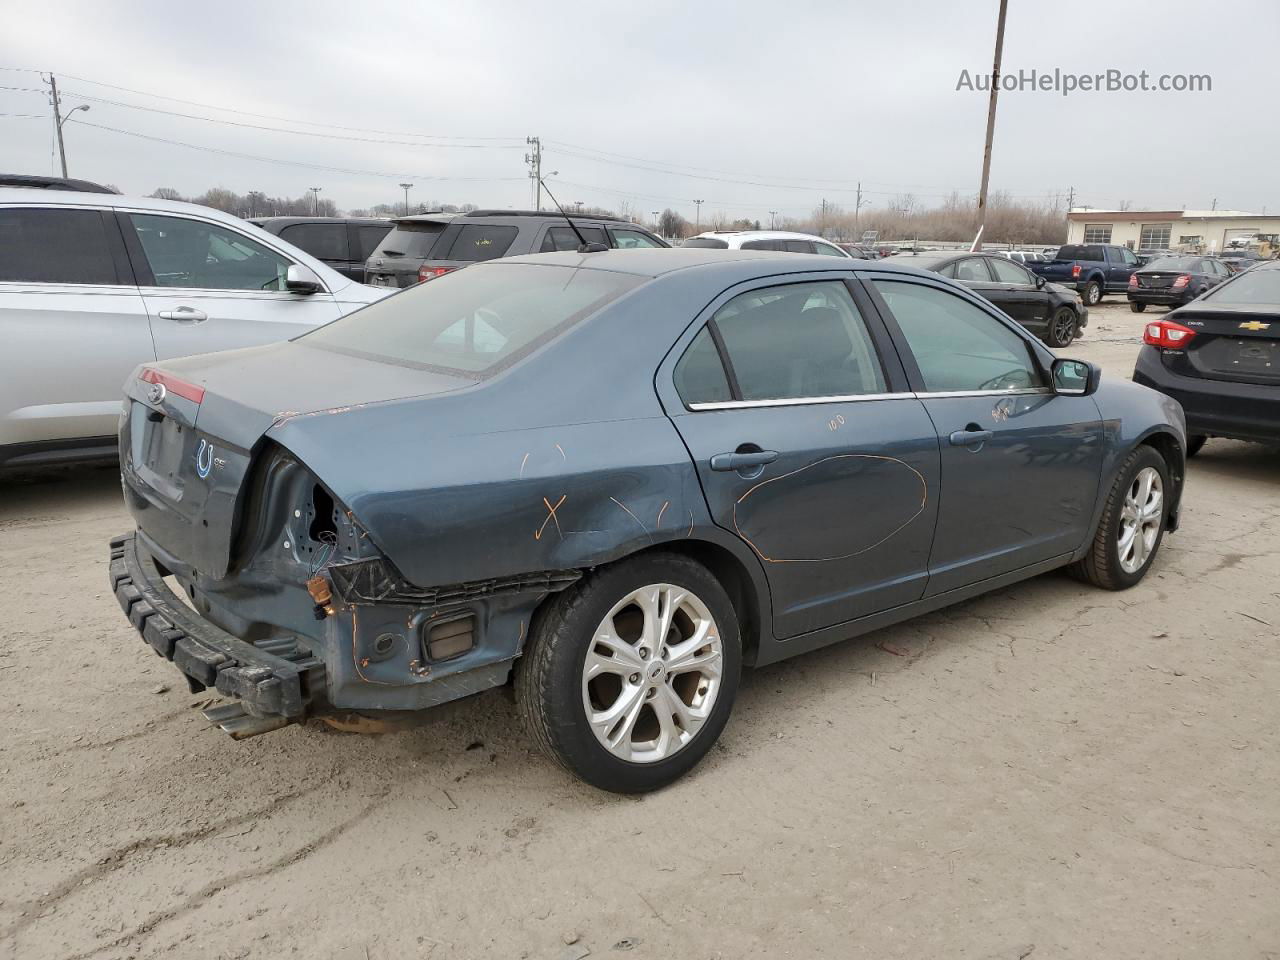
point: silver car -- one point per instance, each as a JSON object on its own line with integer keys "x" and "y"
{"x": 93, "y": 284}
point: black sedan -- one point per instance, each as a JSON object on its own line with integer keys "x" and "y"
{"x": 1174, "y": 281}
{"x": 1220, "y": 358}
{"x": 1054, "y": 313}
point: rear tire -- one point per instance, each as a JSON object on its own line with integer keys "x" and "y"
{"x": 1062, "y": 327}
{"x": 1092, "y": 294}
{"x": 1117, "y": 560}
{"x": 595, "y": 677}
{"x": 1137, "y": 307}
{"x": 1194, "y": 443}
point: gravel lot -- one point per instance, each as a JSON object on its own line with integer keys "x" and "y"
{"x": 1047, "y": 771}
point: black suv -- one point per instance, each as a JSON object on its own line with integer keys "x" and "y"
{"x": 343, "y": 243}
{"x": 487, "y": 235}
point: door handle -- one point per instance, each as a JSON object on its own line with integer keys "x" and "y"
{"x": 184, "y": 315}
{"x": 728, "y": 462}
{"x": 970, "y": 435}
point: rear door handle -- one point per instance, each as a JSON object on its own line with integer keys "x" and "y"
{"x": 967, "y": 438}
{"x": 742, "y": 461}
{"x": 184, "y": 315}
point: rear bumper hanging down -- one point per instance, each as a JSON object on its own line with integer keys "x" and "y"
{"x": 275, "y": 683}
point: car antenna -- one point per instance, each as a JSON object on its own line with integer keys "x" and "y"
{"x": 583, "y": 246}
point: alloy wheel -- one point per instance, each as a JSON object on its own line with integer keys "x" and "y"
{"x": 652, "y": 673}
{"x": 1140, "y": 518}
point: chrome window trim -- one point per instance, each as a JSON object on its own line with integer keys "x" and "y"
{"x": 865, "y": 397}
{"x": 798, "y": 401}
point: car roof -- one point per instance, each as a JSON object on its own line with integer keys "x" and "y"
{"x": 926, "y": 261}
{"x": 761, "y": 235}
{"x": 656, "y": 261}
{"x": 290, "y": 221}
{"x": 37, "y": 182}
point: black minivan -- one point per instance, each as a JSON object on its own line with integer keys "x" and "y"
{"x": 343, "y": 243}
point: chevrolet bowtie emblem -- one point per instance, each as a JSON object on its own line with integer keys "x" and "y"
{"x": 1254, "y": 325}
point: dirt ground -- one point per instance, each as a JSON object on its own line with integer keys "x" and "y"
{"x": 1046, "y": 771}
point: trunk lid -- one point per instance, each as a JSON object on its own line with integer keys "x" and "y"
{"x": 191, "y": 427}
{"x": 1240, "y": 344}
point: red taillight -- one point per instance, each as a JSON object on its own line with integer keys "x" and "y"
{"x": 1181, "y": 282}
{"x": 172, "y": 384}
{"x": 1075, "y": 272}
{"x": 1167, "y": 334}
{"x": 1133, "y": 279}
{"x": 430, "y": 273}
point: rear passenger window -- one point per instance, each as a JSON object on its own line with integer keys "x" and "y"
{"x": 368, "y": 238}
{"x": 799, "y": 341}
{"x": 325, "y": 241}
{"x": 760, "y": 245}
{"x": 700, "y": 376}
{"x": 479, "y": 241}
{"x": 797, "y": 246}
{"x": 957, "y": 346}
{"x": 563, "y": 238}
{"x": 55, "y": 246}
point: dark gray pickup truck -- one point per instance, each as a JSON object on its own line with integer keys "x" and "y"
{"x": 1093, "y": 269}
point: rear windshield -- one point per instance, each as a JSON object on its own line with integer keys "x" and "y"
{"x": 1076, "y": 252}
{"x": 410, "y": 240}
{"x": 1176, "y": 263}
{"x": 475, "y": 321}
{"x": 710, "y": 243}
{"x": 1259, "y": 286}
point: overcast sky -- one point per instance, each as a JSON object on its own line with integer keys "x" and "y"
{"x": 772, "y": 105}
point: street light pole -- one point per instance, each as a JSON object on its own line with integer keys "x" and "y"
{"x": 773, "y": 215}
{"x": 697, "y": 220}
{"x": 406, "y": 187}
{"x": 315, "y": 201}
{"x": 991, "y": 126}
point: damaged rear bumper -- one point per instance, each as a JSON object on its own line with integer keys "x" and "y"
{"x": 276, "y": 683}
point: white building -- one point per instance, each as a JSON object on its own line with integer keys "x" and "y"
{"x": 1190, "y": 231}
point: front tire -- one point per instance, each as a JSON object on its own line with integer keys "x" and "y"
{"x": 1137, "y": 307}
{"x": 630, "y": 675}
{"x": 1132, "y": 525}
{"x": 1062, "y": 328}
{"x": 1092, "y": 294}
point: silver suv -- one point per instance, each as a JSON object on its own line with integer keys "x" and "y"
{"x": 93, "y": 284}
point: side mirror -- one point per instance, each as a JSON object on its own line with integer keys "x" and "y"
{"x": 300, "y": 279}
{"x": 1075, "y": 378}
{"x": 1040, "y": 282}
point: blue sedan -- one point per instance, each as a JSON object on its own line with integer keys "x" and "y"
{"x": 612, "y": 480}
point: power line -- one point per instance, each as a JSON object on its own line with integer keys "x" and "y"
{"x": 301, "y": 133}
{"x": 267, "y": 116}
{"x": 291, "y": 163}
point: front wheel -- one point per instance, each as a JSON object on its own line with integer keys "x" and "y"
{"x": 630, "y": 675}
{"x": 1137, "y": 307}
{"x": 1132, "y": 525}
{"x": 1092, "y": 293}
{"x": 1062, "y": 328}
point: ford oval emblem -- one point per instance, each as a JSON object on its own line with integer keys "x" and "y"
{"x": 157, "y": 393}
{"x": 204, "y": 459}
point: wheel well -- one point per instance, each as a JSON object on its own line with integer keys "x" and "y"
{"x": 1166, "y": 444}
{"x": 735, "y": 579}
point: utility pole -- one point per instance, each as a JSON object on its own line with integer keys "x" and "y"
{"x": 64, "y": 173}
{"x": 698, "y": 216}
{"x": 315, "y": 201}
{"x": 1071, "y": 198}
{"x": 822, "y": 221}
{"x": 991, "y": 126}
{"x": 406, "y": 187}
{"x": 534, "y": 159}
{"x": 59, "y": 119}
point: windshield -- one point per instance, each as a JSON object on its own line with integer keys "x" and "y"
{"x": 1254, "y": 287}
{"x": 475, "y": 321}
{"x": 1176, "y": 263}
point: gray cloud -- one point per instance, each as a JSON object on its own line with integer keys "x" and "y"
{"x": 802, "y": 99}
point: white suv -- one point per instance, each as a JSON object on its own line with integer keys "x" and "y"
{"x": 779, "y": 240}
{"x": 93, "y": 284}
